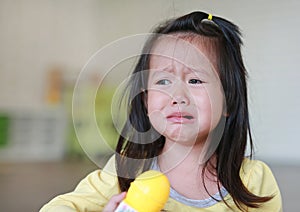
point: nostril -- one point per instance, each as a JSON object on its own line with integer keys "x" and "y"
{"x": 175, "y": 102}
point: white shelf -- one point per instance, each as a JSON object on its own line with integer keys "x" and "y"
{"x": 35, "y": 135}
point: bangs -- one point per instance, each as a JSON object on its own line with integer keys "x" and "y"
{"x": 207, "y": 45}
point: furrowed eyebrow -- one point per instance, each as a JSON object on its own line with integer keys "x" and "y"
{"x": 188, "y": 70}
{"x": 200, "y": 71}
{"x": 167, "y": 69}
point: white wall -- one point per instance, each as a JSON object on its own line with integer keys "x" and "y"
{"x": 37, "y": 34}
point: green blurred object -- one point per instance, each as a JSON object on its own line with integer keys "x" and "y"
{"x": 103, "y": 112}
{"x": 99, "y": 144}
{"x": 4, "y": 128}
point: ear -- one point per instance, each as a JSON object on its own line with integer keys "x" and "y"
{"x": 225, "y": 114}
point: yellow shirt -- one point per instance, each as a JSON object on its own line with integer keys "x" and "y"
{"x": 94, "y": 191}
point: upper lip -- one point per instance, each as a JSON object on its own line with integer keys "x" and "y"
{"x": 181, "y": 115}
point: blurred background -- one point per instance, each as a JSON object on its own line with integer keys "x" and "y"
{"x": 44, "y": 46}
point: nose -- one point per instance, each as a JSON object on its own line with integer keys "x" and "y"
{"x": 180, "y": 96}
{"x": 179, "y": 100}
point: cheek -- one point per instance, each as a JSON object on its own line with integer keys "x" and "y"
{"x": 204, "y": 110}
{"x": 156, "y": 101}
{"x": 216, "y": 102}
{"x": 156, "y": 104}
{"x": 209, "y": 103}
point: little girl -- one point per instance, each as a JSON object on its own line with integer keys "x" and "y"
{"x": 188, "y": 118}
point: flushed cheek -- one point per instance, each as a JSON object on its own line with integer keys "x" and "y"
{"x": 208, "y": 118}
{"x": 156, "y": 105}
{"x": 216, "y": 101}
{"x": 205, "y": 102}
{"x": 158, "y": 121}
{"x": 156, "y": 100}
{"x": 204, "y": 114}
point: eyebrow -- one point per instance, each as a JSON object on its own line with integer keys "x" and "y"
{"x": 169, "y": 69}
{"x": 157, "y": 71}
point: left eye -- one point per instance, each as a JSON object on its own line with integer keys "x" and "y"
{"x": 195, "y": 81}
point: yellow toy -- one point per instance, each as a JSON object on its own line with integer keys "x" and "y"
{"x": 147, "y": 193}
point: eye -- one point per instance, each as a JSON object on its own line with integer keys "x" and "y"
{"x": 195, "y": 81}
{"x": 163, "y": 82}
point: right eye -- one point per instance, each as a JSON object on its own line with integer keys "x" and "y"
{"x": 163, "y": 82}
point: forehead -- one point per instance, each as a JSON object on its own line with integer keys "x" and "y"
{"x": 191, "y": 51}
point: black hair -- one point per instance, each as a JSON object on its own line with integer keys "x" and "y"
{"x": 231, "y": 150}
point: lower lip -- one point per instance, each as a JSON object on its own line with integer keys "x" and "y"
{"x": 180, "y": 120}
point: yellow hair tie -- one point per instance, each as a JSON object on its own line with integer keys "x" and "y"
{"x": 210, "y": 17}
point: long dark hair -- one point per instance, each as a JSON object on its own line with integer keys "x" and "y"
{"x": 230, "y": 152}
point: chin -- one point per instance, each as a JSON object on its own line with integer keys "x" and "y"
{"x": 186, "y": 139}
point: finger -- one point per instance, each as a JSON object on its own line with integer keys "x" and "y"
{"x": 114, "y": 202}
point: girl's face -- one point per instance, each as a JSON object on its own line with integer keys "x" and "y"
{"x": 185, "y": 98}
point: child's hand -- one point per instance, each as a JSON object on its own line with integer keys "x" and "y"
{"x": 114, "y": 202}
